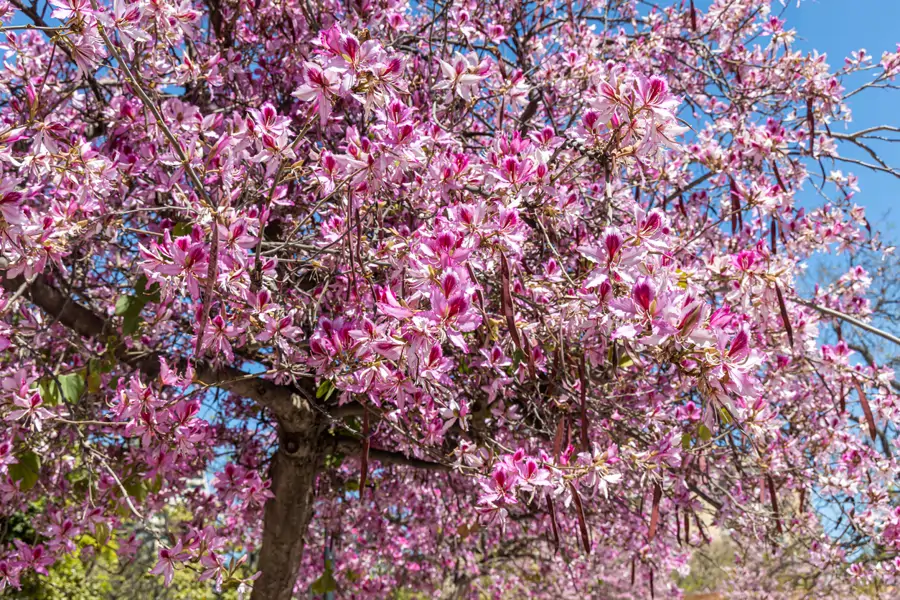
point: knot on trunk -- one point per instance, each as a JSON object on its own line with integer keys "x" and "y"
{"x": 297, "y": 444}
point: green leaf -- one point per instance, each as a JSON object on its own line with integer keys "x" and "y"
{"x": 93, "y": 382}
{"x": 76, "y": 475}
{"x": 181, "y": 230}
{"x": 72, "y": 386}
{"x": 352, "y": 576}
{"x": 79, "y": 480}
{"x": 135, "y": 487}
{"x": 726, "y": 416}
{"x": 140, "y": 286}
{"x": 686, "y": 441}
{"x": 101, "y": 533}
{"x": 625, "y": 361}
{"x": 325, "y": 583}
{"x": 518, "y": 356}
{"x": 704, "y": 433}
{"x": 97, "y": 365}
{"x": 325, "y": 389}
{"x": 333, "y": 461}
{"x": 26, "y": 471}
{"x": 130, "y": 324}
{"x": 153, "y": 293}
{"x": 67, "y": 387}
{"x": 124, "y": 304}
{"x": 144, "y": 293}
{"x": 49, "y": 391}
{"x": 95, "y": 369}
{"x": 130, "y": 307}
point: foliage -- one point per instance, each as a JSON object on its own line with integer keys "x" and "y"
{"x": 93, "y": 571}
{"x": 470, "y": 299}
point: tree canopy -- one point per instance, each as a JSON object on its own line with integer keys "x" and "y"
{"x": 470, "y": 299}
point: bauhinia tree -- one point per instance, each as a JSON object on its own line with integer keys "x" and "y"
{"x": 467, "y": 298}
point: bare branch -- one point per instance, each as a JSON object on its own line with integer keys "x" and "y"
{"x": 852, "y": 320}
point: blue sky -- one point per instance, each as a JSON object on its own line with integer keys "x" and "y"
{"x": 836, "y": 28}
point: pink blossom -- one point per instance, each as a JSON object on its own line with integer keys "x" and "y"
{"x": 168, "y": 559}
{"x": 463, "y": 75}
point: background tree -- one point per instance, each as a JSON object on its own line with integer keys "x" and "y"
{"x": 472, "y": 298}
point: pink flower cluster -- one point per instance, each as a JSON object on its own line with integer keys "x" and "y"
{"x": 472, "y": 298}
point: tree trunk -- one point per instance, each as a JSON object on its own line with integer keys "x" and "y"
{"x": 296, "y": 463}
{"x": 294, "y": 469}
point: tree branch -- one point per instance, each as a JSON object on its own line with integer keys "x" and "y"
{"x": 291, "y": 406}
{"x": 689, "y": 186}
{"x": 852, "y": 320}
{"x": 350, "y": 445}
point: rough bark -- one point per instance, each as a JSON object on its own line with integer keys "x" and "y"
{"x": 294, "y": 469}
